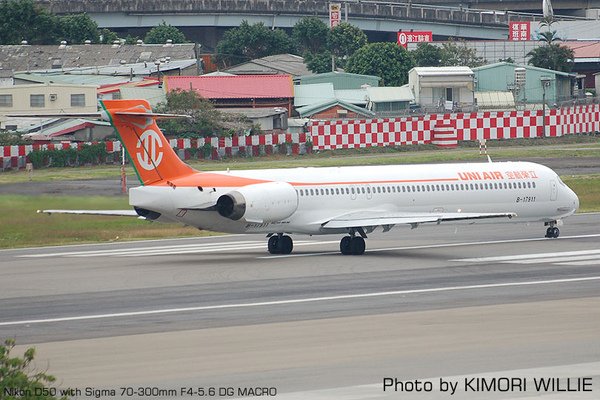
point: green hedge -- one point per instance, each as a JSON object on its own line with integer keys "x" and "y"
{"x": 89, "y": 154}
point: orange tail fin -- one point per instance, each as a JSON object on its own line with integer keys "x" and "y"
{"x": 149, "y": 151}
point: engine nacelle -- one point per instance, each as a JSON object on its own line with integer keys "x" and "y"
{"x": 260, "y": 203}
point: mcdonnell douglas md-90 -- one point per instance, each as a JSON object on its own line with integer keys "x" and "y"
{"x": 348, "y": 201}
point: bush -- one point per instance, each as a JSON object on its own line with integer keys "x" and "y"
{"x": 19, "y": 379}
{"x": 93, "y": 154}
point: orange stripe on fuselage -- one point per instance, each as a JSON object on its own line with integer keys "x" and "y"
{"x": 209, "y": 179}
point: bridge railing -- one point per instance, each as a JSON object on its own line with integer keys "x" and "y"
{"x": 387, "y": 9}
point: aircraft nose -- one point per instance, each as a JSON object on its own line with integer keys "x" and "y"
{"x": 575, "y": 201}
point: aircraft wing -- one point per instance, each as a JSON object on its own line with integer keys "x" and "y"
{"x": 111, "y": 213}
{"x": 372, "y": 219}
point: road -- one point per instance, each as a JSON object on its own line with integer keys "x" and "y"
{"x": 450, "y": 303}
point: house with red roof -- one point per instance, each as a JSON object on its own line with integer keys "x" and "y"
{"x": 239, "y": 91}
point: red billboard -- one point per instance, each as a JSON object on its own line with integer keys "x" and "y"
{"x": 518, "y": 31}
{"x": 404, "y": 38}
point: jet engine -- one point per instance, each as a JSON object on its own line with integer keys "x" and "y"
{"x": 259, "y": 203}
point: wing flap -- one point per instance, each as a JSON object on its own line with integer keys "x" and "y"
{"x": 374, "y": 219}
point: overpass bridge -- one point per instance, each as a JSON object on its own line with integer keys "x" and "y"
{"x": 204, "y": 20}
{"x": 372, "y": 16}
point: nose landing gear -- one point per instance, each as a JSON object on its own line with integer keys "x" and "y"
{"x": 552, "y": 231}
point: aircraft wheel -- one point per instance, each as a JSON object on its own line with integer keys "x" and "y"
{"x": 357, "y": 246}
{"x": 285, "y": 245}
{"x": 345, "y": 245}
{"x": 555, "y": 232}
{"x": 272, "y": 244}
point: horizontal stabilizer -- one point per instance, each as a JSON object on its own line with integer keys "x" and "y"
{"x": 150, "y": 115}
{"x": 110, "y": 213}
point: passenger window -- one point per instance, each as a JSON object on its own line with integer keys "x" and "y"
{"x": 533, "y": 184}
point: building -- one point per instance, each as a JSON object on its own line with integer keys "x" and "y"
{"x": 270, "y": 120}
{"x": 389, "y": 100}
{"x": 71, "y": 129}
{"x": 279, "y": 64}
{"x": 586, "y": 52}
{"x": 333, "y": 109}
{"x": 243, "y": 91}
{"x": 340, "y": 80}
{"x": 23, "y": 58}
{"x": 442, "y": 88}
{"x": 526, "y": 82}
{"x": 36, "y": 99}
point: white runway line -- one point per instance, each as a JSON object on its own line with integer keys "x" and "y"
{"x": 532, "y": 258}
{"x": 299, "y": 301}
{"x": 431, "y": 246}
{"x": 169, "y": 250}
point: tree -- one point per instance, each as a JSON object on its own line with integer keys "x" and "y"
{"x": 318, "y": 63}
{"x": 552, "y": 56}
{"x": 247, "y": 42}
{"x": 205, "y": 119}
{"x": 344, "y": 40}
{"x": 458, "y": 54}
{"x": 427, "y": 55}
{"x": 106, "y": 36}
{"x": 310, "y": 35}
{"x": 25, "y": 20}
{"x": 388, "y": 61}
{"x": 18, "y": 377}
{"x": 163, "y": 32}
{"x": 77, "y": 28}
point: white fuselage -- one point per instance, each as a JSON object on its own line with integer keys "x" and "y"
{"x": 531, "y": 191}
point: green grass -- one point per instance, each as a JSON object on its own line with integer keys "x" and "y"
{"x": 21, "y": 226}
{"x": 587, "y": 188}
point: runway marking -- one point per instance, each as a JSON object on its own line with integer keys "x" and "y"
{"x": 582, "y": 257}
{"x": 435, "y": 246}
{"x": 168, "y": 250}
{"x": 300, "y": 301}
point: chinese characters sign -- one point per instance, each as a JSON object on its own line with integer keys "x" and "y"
{"x": 518, "y": 31}
{"x": 335, "y": 14}
{"x": 414, "y": 37}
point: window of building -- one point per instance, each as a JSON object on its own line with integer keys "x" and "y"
{"x": 78, "y": 100}
{"x": 6, "y": 100}
{"x": 37, "y": 100}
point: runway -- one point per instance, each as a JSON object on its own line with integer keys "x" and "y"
{"x": 449, "y": 303}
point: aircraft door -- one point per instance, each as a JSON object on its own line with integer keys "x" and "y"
{"x": 553, "y": 190}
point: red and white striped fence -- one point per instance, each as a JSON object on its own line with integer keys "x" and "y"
{"x": 343, "y": 134}
{"x": 441, "y": 129}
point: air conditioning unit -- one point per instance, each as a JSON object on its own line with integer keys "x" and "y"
{"x": 53, "y": 97}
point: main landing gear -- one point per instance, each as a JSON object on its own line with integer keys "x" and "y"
{"x": 352, "y": 245}
{"x": 552, "y": 231}
{"x": 280, "y": 244}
